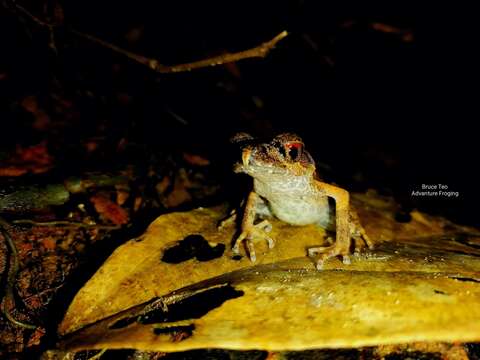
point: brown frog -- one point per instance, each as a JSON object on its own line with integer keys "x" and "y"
{"x": 285, "y": 185}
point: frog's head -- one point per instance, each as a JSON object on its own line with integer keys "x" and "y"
{"x": 283, "y": 156}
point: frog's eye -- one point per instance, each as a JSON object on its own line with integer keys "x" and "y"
{"x": 294, "y": 150}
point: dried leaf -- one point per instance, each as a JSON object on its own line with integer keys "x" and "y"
{"x": 109, "y": 209}
{"x": 12, "y": 171}
{"x": 194, "y": 159}
{"x": 179, "y": 193}
{"x": 35, "y": 159}
{"x": 37, "y": 154}
{"x": 179, "y": 287}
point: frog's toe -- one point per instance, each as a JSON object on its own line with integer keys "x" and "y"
{"x": 326, "y": 252}
{"x": 230, "y": 220}
{"x": 361, "y": 241}
{"x": 264, "y": 226}
{"x": 314, "y": 251}
{"x": 368, "y": 241}
{"x": 270, "y": 241}
{"x": 251, "y": 251}
{"x": 238, "y": 241}
{"x": 250, "y": 236}
{"x": 358, "y": 245}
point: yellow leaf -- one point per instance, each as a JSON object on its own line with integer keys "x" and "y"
{"x": 179, "y": 287}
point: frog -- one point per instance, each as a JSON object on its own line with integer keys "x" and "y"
{"x": 287, "y": 186}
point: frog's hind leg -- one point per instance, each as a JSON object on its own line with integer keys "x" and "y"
{"x": 229, "y": 220}
{"x": 358, "y": 233}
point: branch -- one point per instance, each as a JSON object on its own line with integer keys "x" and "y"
{"x": 49, "y": 26}
{"x": 259, "y": 51}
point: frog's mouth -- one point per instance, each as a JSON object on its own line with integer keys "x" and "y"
{"x": 253, "y": 164}
{"x": 259, "y": 164}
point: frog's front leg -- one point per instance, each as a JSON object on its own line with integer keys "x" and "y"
{"x": 342, "y": 224}
{"x": 251, "y": 232}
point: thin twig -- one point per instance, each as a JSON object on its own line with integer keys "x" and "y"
{"x": 31, "y": 16}
{"x": 67, "y": 224}
{"x": 259, "y": 51}
{"x": 11, "y": 278}
{"x": 39, "y": 22}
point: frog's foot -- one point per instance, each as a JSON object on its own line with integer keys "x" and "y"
{"x": 251, "y": 234}
{"x": 322, "y": 253}
{"x": 361, "y": 240}
{"x": 358, "y": 234}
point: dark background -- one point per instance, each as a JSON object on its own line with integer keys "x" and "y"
{"x": 377, "y": 109}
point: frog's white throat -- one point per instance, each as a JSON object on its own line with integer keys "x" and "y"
{"x": 290, "y": 185}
